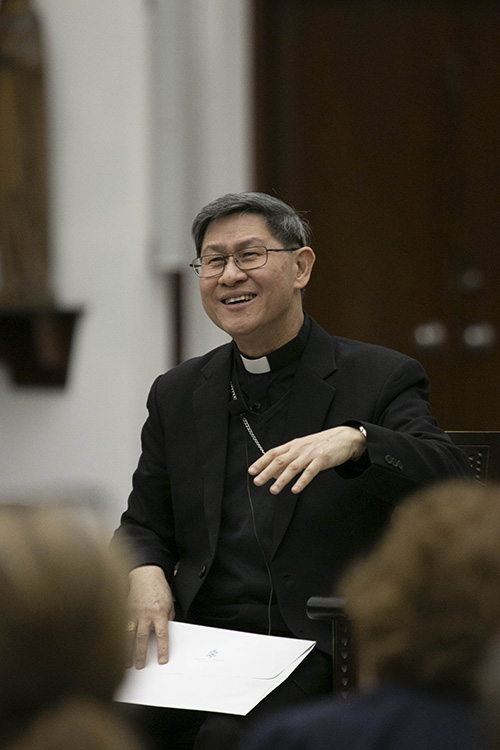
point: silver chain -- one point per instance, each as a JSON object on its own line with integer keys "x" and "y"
{"x": 246, "y": 422}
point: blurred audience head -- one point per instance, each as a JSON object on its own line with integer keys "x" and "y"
{"x": 62, "y": 635}
{"x": 425, "y": 603}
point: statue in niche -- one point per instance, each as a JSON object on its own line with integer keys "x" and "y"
{"x": 24, "y": 242}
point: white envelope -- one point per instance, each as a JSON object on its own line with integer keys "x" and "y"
{"x": 212, "y": 669}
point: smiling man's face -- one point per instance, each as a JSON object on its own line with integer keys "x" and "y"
{"x": 260, "y": 309}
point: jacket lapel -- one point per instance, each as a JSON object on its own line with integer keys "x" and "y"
{"x": 310, "y": 400}
{"x": 210, "y": 403}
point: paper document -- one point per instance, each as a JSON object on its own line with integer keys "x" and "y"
{"x": 212, "y": 669}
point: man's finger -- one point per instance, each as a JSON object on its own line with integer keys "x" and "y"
{"x": 306, "y": 477}
{"x": 130, "y": 644}
{"x": 268, "y": 459}
{"x": 141, "y": 646}
{"x": 162, "y": 641}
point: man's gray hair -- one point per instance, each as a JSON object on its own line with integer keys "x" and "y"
{"x": 283, "y": 221}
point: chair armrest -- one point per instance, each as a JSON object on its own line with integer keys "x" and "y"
{"x": 332, "y": 608}
{"x": 325, "y": 607}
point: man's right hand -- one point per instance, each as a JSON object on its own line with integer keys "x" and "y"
{"x": 150, "y": 607}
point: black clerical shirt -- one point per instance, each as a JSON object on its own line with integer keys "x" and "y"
{"x": 238, "y": 591}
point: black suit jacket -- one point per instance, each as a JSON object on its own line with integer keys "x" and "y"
{"x": 174, "y": 509}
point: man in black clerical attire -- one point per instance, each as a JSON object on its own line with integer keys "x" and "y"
{"x": 270, "y": 462}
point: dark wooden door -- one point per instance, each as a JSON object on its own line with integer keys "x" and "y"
{"x": 381, "y": 120}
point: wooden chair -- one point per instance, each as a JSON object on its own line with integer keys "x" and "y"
{"x": 483, "y": 451}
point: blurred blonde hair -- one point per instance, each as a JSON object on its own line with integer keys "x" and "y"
{"x": 425, "y": 604}
{"x": 62, "y": 634}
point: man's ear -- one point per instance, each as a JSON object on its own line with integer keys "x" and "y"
{"x": 304, "y": 260}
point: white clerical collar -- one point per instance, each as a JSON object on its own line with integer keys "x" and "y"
{"x": 256, "y": 366}
{"x": 285, "y": 355}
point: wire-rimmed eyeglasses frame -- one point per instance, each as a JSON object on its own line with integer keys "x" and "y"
{"x": 238, "y": 258}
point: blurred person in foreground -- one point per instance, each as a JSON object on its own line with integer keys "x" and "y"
{"x": 62, "y": 640}
{"x": 425, "y": 607}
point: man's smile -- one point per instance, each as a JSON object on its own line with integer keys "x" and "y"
{"x": 239, "y": 298}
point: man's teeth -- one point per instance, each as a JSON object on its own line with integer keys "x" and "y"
{"x": 241, "y": 298}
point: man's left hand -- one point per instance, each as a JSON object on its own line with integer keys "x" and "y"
{"x": 307, "y": 456}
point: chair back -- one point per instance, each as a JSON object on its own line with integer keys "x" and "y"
{"x": 483, "y": 451}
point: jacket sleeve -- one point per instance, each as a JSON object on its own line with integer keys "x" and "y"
{"x": 147, "y": 526}
{"x": 405, "y": 447}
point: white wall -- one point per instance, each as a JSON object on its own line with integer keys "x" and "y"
{"x": 105, "y": 139}
{"x": 201, "y": 115}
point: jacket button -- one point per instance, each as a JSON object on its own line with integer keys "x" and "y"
{"x": 203, "y": 570}
{"x": 393, "y": 462}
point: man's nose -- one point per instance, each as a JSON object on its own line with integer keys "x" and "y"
{"x": 231, "y": 273}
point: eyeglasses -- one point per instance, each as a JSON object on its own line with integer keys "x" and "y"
{"x": 246, "y": 260}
